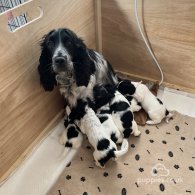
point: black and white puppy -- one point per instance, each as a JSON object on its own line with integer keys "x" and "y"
{"x": 67, "y": 62}
{"x": 103, "y": 112}
{"x": 104, "y": 148}
{"x": 122, "y": 115}
{"x": 71, "y": 136}
{"x": 120, "y": 109}
{"x": 152, "y": 105}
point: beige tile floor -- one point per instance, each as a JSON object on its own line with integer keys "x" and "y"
{"x": 40, "y": 171}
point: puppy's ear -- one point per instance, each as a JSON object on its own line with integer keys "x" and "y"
{"x": 47, "y": 76}
{"x": 111, "y": 88}
{"x": 83, "y": 65}
{"x": 126, "y": 87}
{"x": 99, "y": 91}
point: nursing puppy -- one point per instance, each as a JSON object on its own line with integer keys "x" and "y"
{"x": 120, "y": 109}
{"x": 104, "y": 147}
{"x": 152, "y": 105}
{"x": 103, "y": 112}
{"x": 109, "y": 125}
{"x": 71, "y": 136}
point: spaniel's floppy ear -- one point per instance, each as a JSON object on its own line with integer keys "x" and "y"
{"x": 47, "y": 76}
{"x": 83, "y": 66}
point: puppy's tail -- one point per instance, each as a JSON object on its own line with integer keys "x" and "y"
{"x": 168, "y": 116}
{"x": 124, "y": 148}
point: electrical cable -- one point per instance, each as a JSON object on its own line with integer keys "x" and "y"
{"x": 147, "y": 45}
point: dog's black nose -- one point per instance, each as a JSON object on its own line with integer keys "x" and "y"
{"x": 59, "y": 60}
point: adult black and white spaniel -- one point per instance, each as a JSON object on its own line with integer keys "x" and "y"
{"x": 67, "y": 62}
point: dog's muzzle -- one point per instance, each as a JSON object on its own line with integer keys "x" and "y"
{"x": 60, "y": 60}
{"x": 61, "y": 64}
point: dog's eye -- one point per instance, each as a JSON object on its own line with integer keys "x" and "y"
{"x": 51, "y": 44}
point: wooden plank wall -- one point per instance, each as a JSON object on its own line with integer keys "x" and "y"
{"x": 26, "y": 111}
{"x": 170, "y": 26}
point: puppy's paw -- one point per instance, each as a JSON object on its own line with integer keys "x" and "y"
{"x": 115, "y": 159}
{"x": 167, "y": 120}
{"x": 125, "y": 144}
{"x": 150, "y": 122}
{"x": 136, "y": 108}
{"x": 137, "y": 133}
{"x": 98, "y": 165}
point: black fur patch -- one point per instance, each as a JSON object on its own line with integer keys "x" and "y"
{"x": 114, "y": 138}
{"x": 102, "y": 95}
{"x": 166, "y": 112}
{"x": 103, "y": 144}
{"x": 160, "y": 102}
{"x": 111, "y": 74}
{"x": 79, "y": 111}
{"x": 65, "y": 122}
{"x": 47, "y": 77}
{"x": 109, "y": 155}
{"x": 68, "y": 145}
{"x": 129, "y": 98}
{"x": 103, "y": 118}
{"x": 105, "y": 112}
{"x": 91, "y": 104}
{"x": 83, "y": 71}
{"x": 84, "y": 67}
{"x": 127, "y": 133}
{"x": 92, "y": 55}
{"x": 127, "y": 119}
{"x": 72, "y": 132}
{"x": 119, "y": 106}
{"x": 110, "y": 88}
{"x": 126, "y": 87}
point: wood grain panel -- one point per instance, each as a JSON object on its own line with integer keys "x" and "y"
{"x": 26, "y": 111}
{"x": 170, "y": 26}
